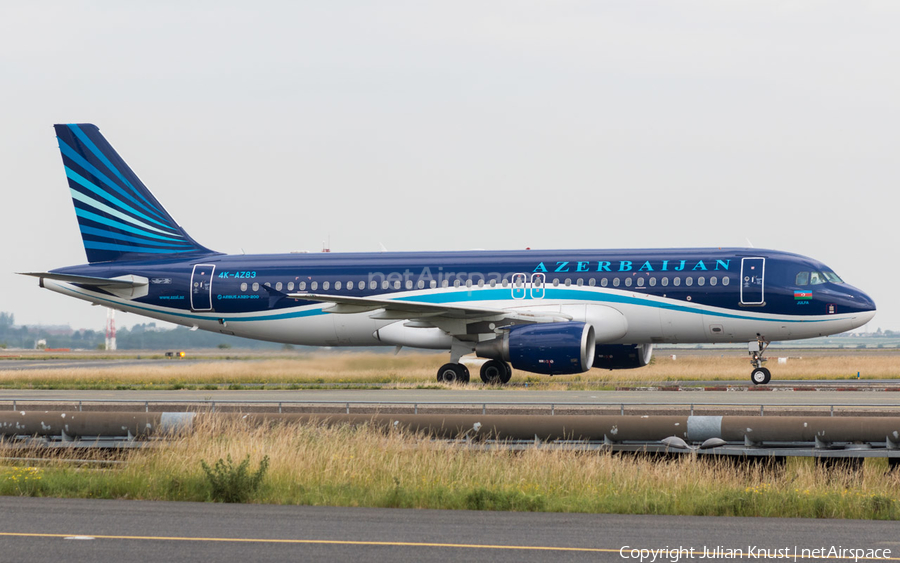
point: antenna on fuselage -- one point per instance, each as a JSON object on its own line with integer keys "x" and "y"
{"x": 750, "y": 244}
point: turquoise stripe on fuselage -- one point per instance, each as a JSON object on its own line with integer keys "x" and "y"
{"x": 573, "y": 295}
{"x": 494, "y": 294}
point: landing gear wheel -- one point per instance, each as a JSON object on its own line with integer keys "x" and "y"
{"x": 453, "y": 373}
{"x": 495, "y": 372}
{"x": 760, "y": 376}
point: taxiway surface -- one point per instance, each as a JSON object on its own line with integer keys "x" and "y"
{"x": 52, "y": 530}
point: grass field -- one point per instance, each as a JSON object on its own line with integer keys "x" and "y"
{"x": 419, "y": 369}
{"x": 343, "y": 466}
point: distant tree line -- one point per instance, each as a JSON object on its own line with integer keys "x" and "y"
{"x": 140, "y": 337}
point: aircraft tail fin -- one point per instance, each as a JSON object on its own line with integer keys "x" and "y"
{"x": 118, "y": 216}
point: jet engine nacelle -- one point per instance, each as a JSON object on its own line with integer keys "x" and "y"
{"x": 548, "y": 348}
{"x": 622, "y": 356}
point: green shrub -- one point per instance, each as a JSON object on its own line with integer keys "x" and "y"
{"x": 230, "y": 483}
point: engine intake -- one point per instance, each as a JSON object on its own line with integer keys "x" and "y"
{"x": 622, "y": 356}
{"x": 549, "y": 348}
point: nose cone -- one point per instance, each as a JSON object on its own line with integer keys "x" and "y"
{"x": 860, "y": 303}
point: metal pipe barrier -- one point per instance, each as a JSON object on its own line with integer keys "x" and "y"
{"x": 211, "y": 405}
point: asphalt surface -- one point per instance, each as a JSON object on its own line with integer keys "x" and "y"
{"x": 75, "y": 531}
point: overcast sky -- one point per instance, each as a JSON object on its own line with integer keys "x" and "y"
{"x": 272, "y": 126}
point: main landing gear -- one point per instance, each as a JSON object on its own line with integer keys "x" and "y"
{"x": 757, "y": 350}
{"x": 495, "y": 371}
{"x": 453, "y": 373}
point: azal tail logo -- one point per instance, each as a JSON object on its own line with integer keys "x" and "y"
{"x": 803, "y": 295}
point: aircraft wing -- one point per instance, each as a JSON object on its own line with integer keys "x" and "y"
{"x": 452, "y": 318}
{"x": 122, "y": 282}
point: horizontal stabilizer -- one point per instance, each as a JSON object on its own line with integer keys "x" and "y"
{"x": 121, "y": 282}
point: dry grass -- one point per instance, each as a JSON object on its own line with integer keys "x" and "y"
{"x": 418, "y": 369}
{"x": 345, "y": 466}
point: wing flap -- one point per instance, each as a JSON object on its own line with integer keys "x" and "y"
{"x": 438, "y": 314}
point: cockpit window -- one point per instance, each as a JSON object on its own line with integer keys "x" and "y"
{"x": 816, "y": 278}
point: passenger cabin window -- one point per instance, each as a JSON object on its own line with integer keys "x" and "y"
{"x": 627, "y": 282}
{"x": 290, "y": 286}
{"x": 604, "y": 282}
{"x": 640, "y": 282}
{"x": 301, "y": 285}
{"x": 337, "y": 285}
{"x": 616, "y": 282}
{"x": 725, "y": 280}
{"x": 255, "y": 287}
{"x": 244, "y": 286}
{"x": 665, "y": 282}
{"x": 326, "y": 285}
{"x": 350, "y": 285}
{"x": 592, "y": 282}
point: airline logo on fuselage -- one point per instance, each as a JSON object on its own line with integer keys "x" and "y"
{"x": 633, "y": 266}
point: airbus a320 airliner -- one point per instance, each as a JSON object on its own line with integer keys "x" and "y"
{"x": 541, "y": 311}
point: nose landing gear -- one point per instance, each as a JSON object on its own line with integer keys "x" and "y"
{"x": 757, "y": 350}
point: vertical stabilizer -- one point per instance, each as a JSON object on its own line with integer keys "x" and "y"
{"x": 118, "y": 216}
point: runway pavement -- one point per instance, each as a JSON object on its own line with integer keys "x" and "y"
{"x": 87, "y": 531}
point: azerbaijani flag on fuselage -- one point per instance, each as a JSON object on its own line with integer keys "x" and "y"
{"x": 802, "y": 295}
